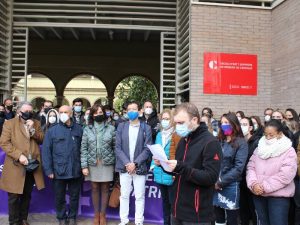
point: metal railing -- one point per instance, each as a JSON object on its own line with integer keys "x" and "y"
{"x": 19, "y": 62}
{"x": 118, "y": 14}
{"x": 167, "y": 70}
{"x": 183, "y": 47}
{"x": 5, "y": 32}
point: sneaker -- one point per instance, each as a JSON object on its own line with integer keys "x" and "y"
{"x": 123, "y": 223}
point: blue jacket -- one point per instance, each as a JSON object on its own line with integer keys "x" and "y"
{"x": 61, "y": 151}
{"x": 234, "y": 161}
{"x": 141, "y": 154}
{"x": 160, "y": 176}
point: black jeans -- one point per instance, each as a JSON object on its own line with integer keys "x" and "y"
{"x": 180, "y": 222}
{"x": 223, "y": 215}
{"x": 297, "y": 201}
{"x": 18, "y": 204}
{"x": 167, "y": 197}
{"x": 60, "y": 189}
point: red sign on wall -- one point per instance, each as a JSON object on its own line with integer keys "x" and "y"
{"x": 234, "y": 74}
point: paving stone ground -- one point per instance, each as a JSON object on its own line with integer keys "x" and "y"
{"x": 47, "y": 219}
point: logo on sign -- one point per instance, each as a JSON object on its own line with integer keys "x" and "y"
{"x": 213, "y": 64}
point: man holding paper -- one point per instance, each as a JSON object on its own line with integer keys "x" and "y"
{"x": 196, "y": 167}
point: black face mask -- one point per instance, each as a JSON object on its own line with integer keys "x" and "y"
{"x": 9, "y": 107}
{"x": 2, "y": 114}
{"x": 46, "y": 110}
{"x": 26, "y": 115}
{"x": 99, "y": 118}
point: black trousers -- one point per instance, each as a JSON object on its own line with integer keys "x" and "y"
{"x": 18, "y": 204}
{"x": 247, "y": 209}
{"x": 60, "y": 189}
{"x": 175, "y": 221}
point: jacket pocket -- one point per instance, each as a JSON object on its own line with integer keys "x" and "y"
{"x": 60, "y": 169}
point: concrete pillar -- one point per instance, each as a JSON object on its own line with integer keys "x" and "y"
{"x": 60, "y": 99}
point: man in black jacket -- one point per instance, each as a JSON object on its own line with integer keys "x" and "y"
{"x": 151, "y": 118}
{"x": 196, "y": 167}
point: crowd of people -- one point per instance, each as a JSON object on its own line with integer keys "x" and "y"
{"x": 233, "y": 170}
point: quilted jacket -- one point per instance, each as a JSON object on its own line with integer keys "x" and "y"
{"x": 89, "y": 146}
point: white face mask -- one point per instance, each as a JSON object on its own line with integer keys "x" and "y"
{"x": 255, "y": 126}
{"x": 271, "y": 141}
{"x": 239, "y": 118}
{"x": 116, "y": 118}
{"x": 52, "y": 119}
{"x": 148, "y": 111}
{"x": 86, "y": 117}
{"x": 267, "y": 118}
{"x": 64, "y": 117}
{"x": 245, "y": 130}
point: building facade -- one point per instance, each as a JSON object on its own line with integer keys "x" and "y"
{"x": 164, "y": 41}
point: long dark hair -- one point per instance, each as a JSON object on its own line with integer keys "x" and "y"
{"x": 257, "y": 120}
{"x": 236, "y": 127}
{"x": 94, "y": 110}
{"x": 294, "y": 113}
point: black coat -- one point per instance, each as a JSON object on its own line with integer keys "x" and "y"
{"x": 153, "y": 122}
{"x": 198, "y": 166}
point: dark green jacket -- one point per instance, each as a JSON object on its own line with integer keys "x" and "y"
{"x": 89, "y": 146}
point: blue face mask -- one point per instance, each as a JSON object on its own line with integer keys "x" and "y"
{"x": 77, "y": 108}
{"x": 165, "y": 124}
{"x": 132, "y": 115}
{"x": 108, "y": 114}
{"x": 182, "y": 130}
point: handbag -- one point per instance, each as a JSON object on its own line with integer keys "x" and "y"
{"x": 32, "y": 165}
{"x": 114, "y": 199}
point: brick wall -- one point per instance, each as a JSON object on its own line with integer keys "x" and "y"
{"x": 231, "y": 30}
{"x": 286, "y": 55}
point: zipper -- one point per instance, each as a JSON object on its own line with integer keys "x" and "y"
{"x": 178, "y": 184}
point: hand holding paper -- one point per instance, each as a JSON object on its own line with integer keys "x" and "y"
{"x": 159, "y": 154}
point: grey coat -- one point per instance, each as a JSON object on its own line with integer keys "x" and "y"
{"x": 89, "y": 146}
{"x": 141, "y": 154}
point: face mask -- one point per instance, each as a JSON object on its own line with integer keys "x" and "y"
{"x": 165, "y": 124}
{"x": 52, "y": 119}
{"x": 132, "y": 115}
{"x": 255, "y": 127}
{"x": 46, "y": 110}
{"x": 182, "y": 130}
{"x": 99, "y": 118}
{"x": 86, "y": 117}
{"x": 9, "y": 107}
{"x": 148, "y": 111}
{"x": 108, "y": 114}
{"x": 77, "y": 108}
{"x": 271, "y": 141}
{"x": 245, "y": 130}
{"x": 227, "y": 129}
{"x": 125, "y": 116}
{"x": 290, "y": 119}
{"x": 215, "y": 133}
{"x": 2, "y": 113}
{"x": 239, "y": 118}
{"x": 267, "y": 118}
{"x": 116, "y": 118}
{"x": 26, "y": 115}
{"x": 64, "y": 117}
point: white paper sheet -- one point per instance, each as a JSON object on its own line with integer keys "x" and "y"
{"x": 159, "y": 154}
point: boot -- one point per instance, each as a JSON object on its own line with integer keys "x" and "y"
{"x": 96, "y": 219}
{"x": 102, "y": 219}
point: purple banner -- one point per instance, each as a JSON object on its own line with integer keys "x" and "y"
{"x": 153, "y": 205}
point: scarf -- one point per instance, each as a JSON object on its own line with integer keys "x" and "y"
{"x": 166, "y": 136}
{"x": 265, "y": 151}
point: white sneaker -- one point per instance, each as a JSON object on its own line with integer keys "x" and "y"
{"x": 123, "y": 223}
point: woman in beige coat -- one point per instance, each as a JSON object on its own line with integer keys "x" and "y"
{"x": 20, "y": 140}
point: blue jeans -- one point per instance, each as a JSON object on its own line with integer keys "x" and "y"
{"x": 272, "y": 210}
{"x": 60, "y": 189}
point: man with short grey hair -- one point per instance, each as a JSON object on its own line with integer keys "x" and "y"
{"x": 20, "y": 139}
